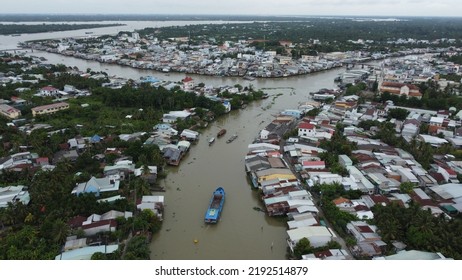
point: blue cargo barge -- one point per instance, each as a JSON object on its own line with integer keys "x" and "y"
{"x": 216, "y": 206}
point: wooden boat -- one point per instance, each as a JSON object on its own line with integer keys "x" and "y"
{"x": 215, "y": 207}
{"x": 221, "y": 132}
{"x": 232, "y": 138}
{"x": 249, "y": 78}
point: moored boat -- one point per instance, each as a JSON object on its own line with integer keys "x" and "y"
{"x": 215, "y": 207}
{"x": 249, "y": 78}
{"x": 221, "y": 132}
{"x": 232, "y": 138}
{"x": 211, "y": 140}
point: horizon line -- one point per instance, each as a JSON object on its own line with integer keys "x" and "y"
{"x": 223, "y": 15}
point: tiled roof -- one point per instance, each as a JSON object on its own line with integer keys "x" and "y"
{"x": 304, "y": 125}
{"x": 341, "y": 200}
{"x": 54, "y": 105}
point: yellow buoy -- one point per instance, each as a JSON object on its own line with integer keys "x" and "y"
{"x": 196, "y": 241}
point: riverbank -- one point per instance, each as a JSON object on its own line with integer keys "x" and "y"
{"x": 18, "y": 29}
{"x": 188, "y": 186}
{"x": 248, "y": 69}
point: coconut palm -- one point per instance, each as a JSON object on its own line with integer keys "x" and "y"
{"x": 60, "y": 231}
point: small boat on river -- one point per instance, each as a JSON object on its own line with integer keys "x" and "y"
{"x": 232, "y": 138}
{"x": 221, "y": 132}
{"x": 211, "y": 140}
{"x": 249, "y": 78}
{"x": 215, "y": 207}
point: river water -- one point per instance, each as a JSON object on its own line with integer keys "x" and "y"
{"x": 242, "y": 232}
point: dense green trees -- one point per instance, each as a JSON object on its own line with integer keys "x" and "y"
{"x": 433, "y": 98}
{"x": 355, "y": 89}
{"x": 406, "y": 187}
{"x": 8, "y": 29}
{"x": 327, "y": 193}
{"x": 315, "y": 35}
{"x": 304, "y": 247}
{"x": 137, "y": 249}
{"x": 398, "y": 113}
{"x": 26, "y": 244}
{"x": 38, "y": 230}
{"x": 419, "y": 229}
{"x": 161, "y": 99}
{"x": 337, "y": 145}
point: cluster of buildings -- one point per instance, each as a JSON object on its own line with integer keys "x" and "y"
{"x": 108, "y": 186}
{"x": 207, "y": 58}
{"x": 93, "y": 226}
{"x": 285, "y": 171}
{"x": 401, "y": 76}
{"x": 13, "y": 107}
{"x": 232, "y": 58}
{"x": 272, "y": 169}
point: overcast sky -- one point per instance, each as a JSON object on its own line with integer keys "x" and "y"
{"x": 238, "y": 7}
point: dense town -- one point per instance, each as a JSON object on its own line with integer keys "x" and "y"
{"x": 111, "y": 169}
{"x": 232, "y": 58}
{"x": 317, "y": 161}
{"x": 346, "y": 170}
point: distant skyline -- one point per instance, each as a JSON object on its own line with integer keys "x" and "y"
{"x": 440, "y": 8}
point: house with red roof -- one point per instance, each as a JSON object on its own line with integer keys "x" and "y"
{"x": 306, "y": 129}
{"x": 42, "y": 161}
{"x": 188, "y": 83}
{"x": 99, "y": 227}
{"x": 343, "y": 203}
{"x": 48, "y": 91}
{"x": 18, "y": 101}
{"x": 369, "y": 242}
{"x": 452, "y": 173}
{"x": 401, "y": 89}
{"x": 9, "y": 112}
{"x": 374, "y": 199}
{"x": 319, "y": 164}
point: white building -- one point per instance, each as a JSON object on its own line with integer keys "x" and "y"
{"x": 190, "y": 134}
{"x": 13, "y": 194}
{"x": 317, "y": 235}
{"x": 173, "y": 116}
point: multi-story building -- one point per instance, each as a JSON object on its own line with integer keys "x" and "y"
{"x": 50, "y": 108}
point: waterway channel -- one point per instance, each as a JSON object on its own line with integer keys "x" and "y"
{"x": 242, "y": 233}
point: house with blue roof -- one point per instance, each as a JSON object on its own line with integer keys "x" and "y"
{"x": 162, "y": 126}
{"x": 97, "y": 186}
{"x": 95, "y": 139}
{"x": 149, "y": 80}
{"x": 227, "y": 105}
{"x": 292, "y": 112}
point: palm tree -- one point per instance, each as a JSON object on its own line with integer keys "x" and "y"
{"x": 60, "y": 231}
{"x": 6, "y": 217}
{"x": 141, "y": 187}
